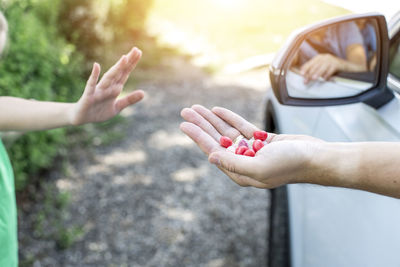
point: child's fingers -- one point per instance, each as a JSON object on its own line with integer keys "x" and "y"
{"x": 133, "y": 59}
{"x": 92, "y": 81}
{"x": 128, "y": 100}
{"x": 113, "y": 73}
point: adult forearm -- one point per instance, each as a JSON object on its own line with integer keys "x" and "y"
{"x": 372, "y": 166}
{"x": 18, "y": 114}
{"x": 348, "y": 66}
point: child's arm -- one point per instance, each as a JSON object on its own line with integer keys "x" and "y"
{"x": 98, "y": 103}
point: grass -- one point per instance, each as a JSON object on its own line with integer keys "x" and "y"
{"x": 227, "y": 31}
{"x": 50, "y": 222}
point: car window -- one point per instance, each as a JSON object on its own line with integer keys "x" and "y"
{"x": 394, "y": 56}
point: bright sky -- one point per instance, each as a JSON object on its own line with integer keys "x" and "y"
{"x": 386, "y": 7}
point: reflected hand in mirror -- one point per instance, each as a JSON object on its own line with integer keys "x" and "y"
{"x": 338, "y": 57}
{"x": 338, "y": 47}
{"x": 325, "y": 65}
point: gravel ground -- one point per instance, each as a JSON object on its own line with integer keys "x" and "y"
{"x": 152, "y": 199}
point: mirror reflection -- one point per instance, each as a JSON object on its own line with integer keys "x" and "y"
{"x": 335, "y": 61}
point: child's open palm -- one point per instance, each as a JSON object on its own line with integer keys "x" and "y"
{"x": 99, "y": 101}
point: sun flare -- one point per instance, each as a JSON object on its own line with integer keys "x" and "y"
{"x": 229, "y": 3}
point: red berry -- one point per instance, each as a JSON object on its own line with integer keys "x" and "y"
{"x": 260, "y": 135}
{"x": 240, "y": 150}
{"x": 257, "y": 145}
{"x": 249, "y": 153}
{"x": 225, "y": 141}
{"x": 243, "y": 143}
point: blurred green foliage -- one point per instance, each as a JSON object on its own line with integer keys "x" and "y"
{"x": 51, "y": 47}
{"x": 38, "y": 64}
{"x": 51, "y": 221}
{"x": 95, "y": 26}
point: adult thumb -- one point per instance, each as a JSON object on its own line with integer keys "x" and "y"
{"x": 234, "y": 163}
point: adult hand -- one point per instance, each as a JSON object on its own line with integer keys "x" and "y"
{"x": 285, "y": 159}
{"x": 99, "y": 100}
{"x": 321, "y": 66}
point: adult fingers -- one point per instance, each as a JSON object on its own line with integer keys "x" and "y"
{"x": 315, "y": 68}
{"x": 128, "y": 100}
{"x": 235, "y": 163}
{"x": 192, "y": 116}
{"x": 329, "y": 72}
{"x": 243, "y": 126}
{"x": 243, "y": 180}
{"x": 220, "y": 125}
{"x": 206, "y": 143}
{"x": 320, "y": 71}
{"x": 304, "y": 70}
{"x": 308, "y": 69}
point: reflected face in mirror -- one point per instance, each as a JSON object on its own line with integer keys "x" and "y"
{"x": 335, "y": 61}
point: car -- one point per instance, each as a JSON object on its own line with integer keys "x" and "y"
{"x": 312, "y": 225}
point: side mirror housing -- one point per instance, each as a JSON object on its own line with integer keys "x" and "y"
{"x": 338, "y": 61}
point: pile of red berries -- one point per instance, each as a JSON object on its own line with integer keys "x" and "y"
{"x": 243, "y": 146}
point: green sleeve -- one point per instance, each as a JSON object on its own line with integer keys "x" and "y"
{"x": 8, "y": 213}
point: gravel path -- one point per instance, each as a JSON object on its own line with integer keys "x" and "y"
{"x": 152, "y": 199}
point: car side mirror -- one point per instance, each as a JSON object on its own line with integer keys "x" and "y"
{"x": 339, "y": 61}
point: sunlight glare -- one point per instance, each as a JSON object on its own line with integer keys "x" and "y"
{"x": 229, "y": 3}
{"x": 162, "y": 140}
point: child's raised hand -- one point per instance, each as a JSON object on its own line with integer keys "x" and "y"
{"x": 99, "y": 100}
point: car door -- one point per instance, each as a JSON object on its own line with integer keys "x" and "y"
{"x": 360, "y": 122}
{"x": 343, "y": 227}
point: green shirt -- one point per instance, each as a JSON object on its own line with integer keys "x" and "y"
{"x": 8, "y": 213}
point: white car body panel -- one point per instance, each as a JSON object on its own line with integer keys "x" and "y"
{"x": 333, "y": 227}
{"x": 289, "y": 118}
{"x": 358, "y": 123}
{"x": 336, "y": 226}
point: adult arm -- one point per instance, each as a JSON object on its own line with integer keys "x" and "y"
{"x": 294, "y": 158}
{"x": 326, "y": 65}
{"x": 349, "y": 38}
{"x": 98, "y": 103}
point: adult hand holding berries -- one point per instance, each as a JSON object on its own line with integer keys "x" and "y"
{"x": 292, "y": 158}
{"x": 285, "y": 159}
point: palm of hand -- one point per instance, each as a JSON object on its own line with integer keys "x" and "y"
{"x": 285, "y": 161}
{"x": 99, "y": 101}
{"x": 272, "y": 166}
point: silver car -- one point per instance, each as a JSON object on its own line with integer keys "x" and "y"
{"x": 312, "y": 225}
